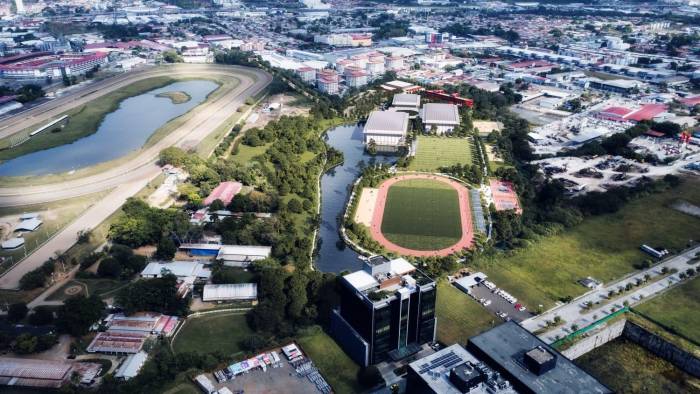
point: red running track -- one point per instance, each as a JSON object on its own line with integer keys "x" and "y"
{"x": 465, "y": 215}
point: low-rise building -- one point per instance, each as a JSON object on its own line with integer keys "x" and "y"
{"x": 440, "y": 118}
{"x": 386, "y": 130}
{"x": 181, "y": 269}
{"x": 230, "y": 292}
{"x": 242, "y": 255}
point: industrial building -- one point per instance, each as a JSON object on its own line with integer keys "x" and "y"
{"x": 181, "y": 269}
{"x": 442, "y": 118}
{"x": 44, "y": 374}
{"x": 387, "y": 129}
{"x": 242, "y": 255}
{"x": 529, "y": 363}
{"x": 387, "y": 311}
{"x": 131, "y": 366}
{"x": 453, "y": 370}
{"x": 230, "y": 292}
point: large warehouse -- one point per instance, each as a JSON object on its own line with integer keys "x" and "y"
{"x": 41, "y": 65}
{"x": 387, "y": 129}
{"x": 45, "y": 374}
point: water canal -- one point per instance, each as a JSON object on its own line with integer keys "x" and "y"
{"x": 334, "y": 255}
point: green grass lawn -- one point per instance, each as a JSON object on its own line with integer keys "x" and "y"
{"x": 626, "y": 367}
{"x": 458, "y": 316}
{"x": 54, "y": 215}
{"x": 335, "y": 366}
{"x": 436, "y": 152}
{"x": 604, "y": 247}
{"x": 422, "y": 214}
{"x": 247, "y": 153}
{"x": 218, "y": 332}
{"x": 678, "y": 309}
{"x": 97, "y": 286}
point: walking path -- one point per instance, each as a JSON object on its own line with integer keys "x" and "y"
{"x": 573, "y": 312}
{"x": 464, "y": 210}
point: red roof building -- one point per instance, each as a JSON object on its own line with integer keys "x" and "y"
{"x": 225, "y": 192}
{"x": 616, "y": 114}
{"x": 690, "y": 101}
{"x": 647, "y": 112}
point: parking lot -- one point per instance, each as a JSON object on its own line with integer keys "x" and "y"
{"x": 498, "y": 304}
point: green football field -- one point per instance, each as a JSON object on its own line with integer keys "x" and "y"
{"x": 422, "y": 214}
{"x": 435, "y": 152}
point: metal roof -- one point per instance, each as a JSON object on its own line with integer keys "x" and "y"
{"x": 237, "y": 291}
{"x": 406, "y": 100}
{"x": 440, "y": 113}
{"x": 387, "y": 122}
{"x": 177, "y": 268}
{"x": 131, "y": 366}
{"x": 243, "y": 250}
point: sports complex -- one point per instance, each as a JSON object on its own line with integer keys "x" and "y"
{"x": 418, "y": 215}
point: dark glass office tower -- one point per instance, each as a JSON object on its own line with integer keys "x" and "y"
{"x": 387, "y": 310}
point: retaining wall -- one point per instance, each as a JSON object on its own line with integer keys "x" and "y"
{"x": 595, "y": 340}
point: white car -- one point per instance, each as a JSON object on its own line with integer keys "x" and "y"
{"x": 487, "y": 302}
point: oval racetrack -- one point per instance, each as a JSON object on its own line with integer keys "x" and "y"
{"x": 126, "y": 179}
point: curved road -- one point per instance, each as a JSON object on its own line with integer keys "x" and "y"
{"x": 127, "y": 178}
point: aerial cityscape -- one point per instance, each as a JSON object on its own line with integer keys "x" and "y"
{"x": 349, "y": 196}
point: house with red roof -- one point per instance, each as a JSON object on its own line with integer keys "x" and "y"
{"x": 225, "y": 192}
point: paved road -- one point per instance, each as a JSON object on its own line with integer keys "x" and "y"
{"x": 572, "y": 313}
{"x": 126, "y": 180}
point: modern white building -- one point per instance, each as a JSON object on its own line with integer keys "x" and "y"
{"x": 443, "y": 117}
{"x": 242, "y": 255}
{"x": 387, "y": 129}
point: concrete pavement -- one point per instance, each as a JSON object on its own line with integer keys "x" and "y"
{"x": 127, "y": 179}
{"x": 573, "y": 312}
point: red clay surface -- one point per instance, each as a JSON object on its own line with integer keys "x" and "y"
{"x": 465, "y": 215}
{"x": 504, "y": 196}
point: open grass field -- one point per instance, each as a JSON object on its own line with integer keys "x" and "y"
{"x": 436, "y": 152}
{"x": 217, "y": 332}
{"x": 99, "y": 286}
{"x": 677, "y": 308}
{"x": 459, "y": 317}
{"x": 604, "y": 247}
{"x": 422, "y": 214}
{"x": 335, "y": 366}
{"x": 54, "y": 215}
{"x": 626, "y": 367}
{"x": 247, "y": 153}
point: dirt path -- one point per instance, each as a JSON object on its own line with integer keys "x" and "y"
{"x": 464, "y": 210}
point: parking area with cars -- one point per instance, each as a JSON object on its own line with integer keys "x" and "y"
{"x": 499, "y": 302}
